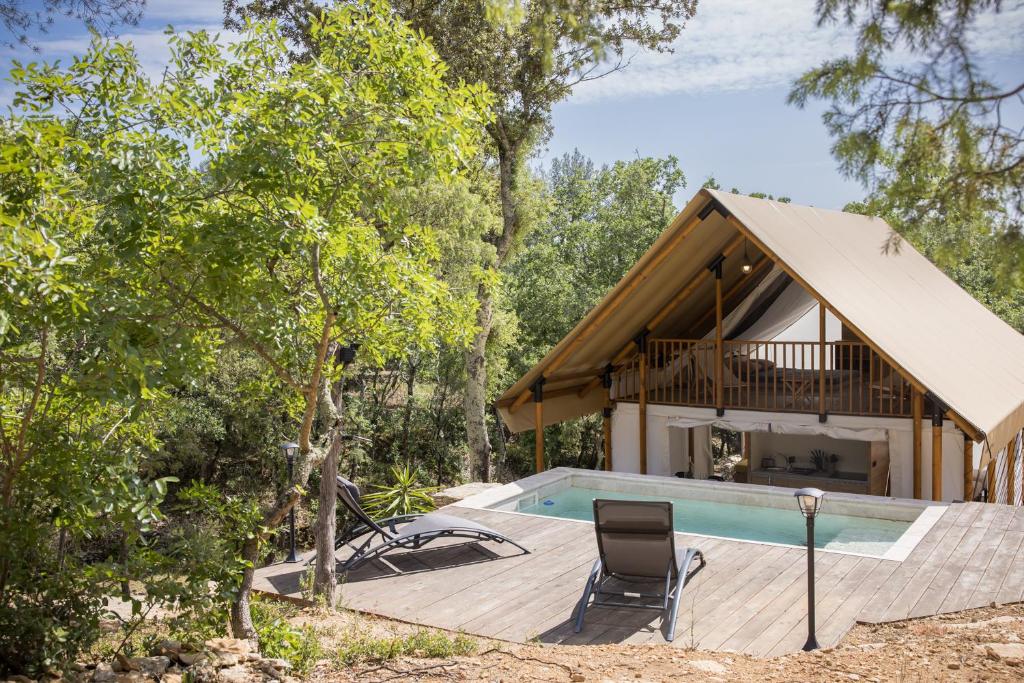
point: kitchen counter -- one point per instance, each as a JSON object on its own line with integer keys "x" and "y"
{"x": 843, "y": 482}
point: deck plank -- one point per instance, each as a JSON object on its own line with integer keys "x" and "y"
{"x": 833, "y": 628}
{"x": 830, "y": 594}
{"x": 777, "y": 618}
{"x": 998, "y": 569}
{"x": 971, "y": 572}
{"x": 909, "y": 582}
{"x": 947, "y": 573}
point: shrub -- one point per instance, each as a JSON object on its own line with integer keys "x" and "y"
{"x": 281, "y": 639}
{"x": 358, "y": 647}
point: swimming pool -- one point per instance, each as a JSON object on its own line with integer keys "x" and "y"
{"x": 854, "y": 524}
{"x": 746, "y": 522}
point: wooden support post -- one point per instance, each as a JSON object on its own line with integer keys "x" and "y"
{"x": 689, "y": 450}
{"x": 538, "y": 416}
{"x": 917, "y": 407}
{"x": 822, "y": 415}
{"x": 606, "y": 381}
{"x": 641, "y": 344}
{"x": 1011, "y": 465}
{"x": 716, "y": 267}
{"x": 991, "y": 497}
{"x": 936, "y": 450}
{"x": 968, "y": 468}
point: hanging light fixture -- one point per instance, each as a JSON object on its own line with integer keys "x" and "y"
{"x": 745, "y": 265}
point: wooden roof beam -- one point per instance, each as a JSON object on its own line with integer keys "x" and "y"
{"x": 758, "y": 267}
{"x": 620, "y": 296}
{"x": 681, "y": 295}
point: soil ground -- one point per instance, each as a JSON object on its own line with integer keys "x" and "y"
{"x": 959, "y": 647}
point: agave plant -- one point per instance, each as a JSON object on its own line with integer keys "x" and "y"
{"x": 404, "y": 497}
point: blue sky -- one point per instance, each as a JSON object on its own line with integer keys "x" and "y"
{"x": 718, "y": 101}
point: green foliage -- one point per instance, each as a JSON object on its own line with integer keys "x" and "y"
{"x": 358, "y": 646}
{"x": 280, "y": 639}
{"x": 914, "y": 117}
{"x": 239, "y": 197}
{"x": 404, "y": 496}
{"x": 599, "y": 222}
{"x": 199, "y": 569}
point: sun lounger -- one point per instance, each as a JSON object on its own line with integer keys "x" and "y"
{"x": 405, "y": 531}
{"x": 636, "y": 543}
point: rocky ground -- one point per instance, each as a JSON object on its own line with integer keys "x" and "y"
{"x": 978, "y": 645}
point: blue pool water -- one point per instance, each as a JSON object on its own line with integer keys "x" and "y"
{"x": 746, "y": 522}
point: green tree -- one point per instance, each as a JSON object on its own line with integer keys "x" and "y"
{"x": 288, "y": 238}
{"x": 85, "y": 347}
{"x": 913, "y": 112}
{"x": 530, "y": 57}
{"x": 600, "y": 222}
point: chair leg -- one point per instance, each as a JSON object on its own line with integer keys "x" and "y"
{"x": 677, "y": 595}
{"x": 581, "y": 606}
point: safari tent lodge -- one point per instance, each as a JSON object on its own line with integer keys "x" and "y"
{"x": 845, "y": 364}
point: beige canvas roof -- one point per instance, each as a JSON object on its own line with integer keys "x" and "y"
{"x": 942, "y": 339}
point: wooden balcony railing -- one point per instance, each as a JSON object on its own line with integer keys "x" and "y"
{"x": 769, "y": 375}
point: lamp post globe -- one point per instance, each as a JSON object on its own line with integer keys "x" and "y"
{"x": 290, "y": 450}
{"x": 809, "y": 501}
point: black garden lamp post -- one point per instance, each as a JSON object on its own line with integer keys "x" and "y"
{"x": 290, "y": 449}
{"x": 809, "y": 501}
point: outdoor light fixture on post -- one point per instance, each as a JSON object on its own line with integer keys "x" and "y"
{"x": 809, "y": 500}
{"x": 290, "y": 449}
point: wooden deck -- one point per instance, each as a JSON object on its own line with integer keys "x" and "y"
{"x": 751, "y": 597}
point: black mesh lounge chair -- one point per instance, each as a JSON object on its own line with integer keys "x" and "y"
{"x": 636, "y": 542}
{"x": 405, "y": 531}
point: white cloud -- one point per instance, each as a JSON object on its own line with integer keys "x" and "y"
{"x": 743, "y": 45}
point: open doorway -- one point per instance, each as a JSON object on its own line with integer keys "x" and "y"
{"x": 726, "y": 451}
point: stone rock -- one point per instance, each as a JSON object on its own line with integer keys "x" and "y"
{"x": 223, "y": 660}
{"x": 104, "y": 673}
{"x": 231, "y": 645}
{"x": 999, "y": 651}
{"x": 171, "y": 677}
{"x": 234, "y": 674}
{"x": 121, "y": 663}
{"x": 129, "y": 677}
{"x": 192, "y": 658}
{"x": 577, "y": 677}
{"x": 150, "y": 666}
{"x": 708, "y": 665}
{"x": 282, "y": 664}
{"x": 273, "y": 674}
{"x": 167, "y": 648}
{"x": 953, "y": 665}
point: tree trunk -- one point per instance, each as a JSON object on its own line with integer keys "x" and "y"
{"x": 126, "y": 592}
{"x": 475, "y": 400}
{"x": 241, "y": 616}
{"x": 410, "y": 388}
{"x": 325, "y": 583}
